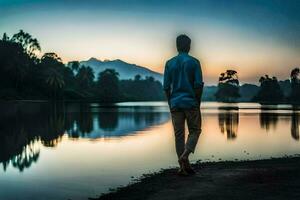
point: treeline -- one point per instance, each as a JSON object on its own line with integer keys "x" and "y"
{"x": 270, "y": 90}
{"x": 25, "y": 76}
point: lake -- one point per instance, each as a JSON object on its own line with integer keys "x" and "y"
{"x": 76, "y": 151}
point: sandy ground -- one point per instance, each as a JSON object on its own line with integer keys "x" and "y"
{"x": 263, "y": 179}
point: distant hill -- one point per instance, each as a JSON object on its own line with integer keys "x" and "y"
{"x": 126, "y": 70}
{"x": 247, "y": 92}
{"x": 209, "y": 93}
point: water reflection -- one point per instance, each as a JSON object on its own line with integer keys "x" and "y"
{"x": 24, "y": 126}
{"x": 268, "y": 120}
{"x": 295, "y": 125}
{"x": 109, "y": 120}
{"x": 228, "y": 121}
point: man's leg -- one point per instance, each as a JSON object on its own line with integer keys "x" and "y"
{"x": 178, "y": 119}
{"x": 194, "y": 123}
{"x": 193, "y": 117}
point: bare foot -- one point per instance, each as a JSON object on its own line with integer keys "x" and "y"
{"x": 185, "y": 164}
{"x": 182, "y": 172}
{"x": 189, "y": 168}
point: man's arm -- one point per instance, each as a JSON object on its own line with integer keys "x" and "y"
{"x": 167, "y": 84}
{"x": 198, "y": 82}
{"x": 198, "y": 93}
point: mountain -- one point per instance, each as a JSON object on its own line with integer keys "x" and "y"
{"x": 126, "y": 70}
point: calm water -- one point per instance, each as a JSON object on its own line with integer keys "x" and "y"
{"x": 77, "y": 151}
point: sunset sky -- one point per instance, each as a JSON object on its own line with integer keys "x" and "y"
{"x": 254, "y": 37}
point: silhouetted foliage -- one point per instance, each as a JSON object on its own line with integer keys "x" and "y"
{"x": 295, "y": 125}
{"x": 108, "y": 85}
{"x": 228, "y": 123}
{"x": 75, "y": 65}
{"x": 147, "y": 89}
{"x": 295, "y": 86}
{"x": 270, "y": 91}
{"x": 228, "y": 87}
{"x": 30, "y": 45}
{"x": 24, "y": 76}
{"x": 268, "y": 120}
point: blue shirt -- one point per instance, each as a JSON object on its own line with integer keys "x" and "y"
{"x": 182, "y": 75}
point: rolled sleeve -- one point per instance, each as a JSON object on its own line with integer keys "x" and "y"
{"x": 198, "y": 79}
{"x": 167, "y": 81}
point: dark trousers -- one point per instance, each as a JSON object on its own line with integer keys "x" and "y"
{"x": 193, "y": 118}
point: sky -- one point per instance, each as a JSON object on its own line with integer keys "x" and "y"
{"x": 254, "y": 37}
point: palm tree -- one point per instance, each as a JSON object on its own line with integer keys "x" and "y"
{"x": 75, "y": 66}
{"x": 55, "y": 81}
{"x": 85, "y": 77}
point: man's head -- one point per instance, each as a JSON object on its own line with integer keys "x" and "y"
{"x": 183, "y": 43}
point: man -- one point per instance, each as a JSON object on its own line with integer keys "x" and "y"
{"x": 183, "y": 85}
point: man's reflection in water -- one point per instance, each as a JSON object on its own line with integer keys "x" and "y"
{"x": 295, "y": 125}
{"x": 268, "y": 120}
{"x": 228, "y": 123}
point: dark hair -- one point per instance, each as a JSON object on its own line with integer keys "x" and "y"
{"x": 183, "y": 43}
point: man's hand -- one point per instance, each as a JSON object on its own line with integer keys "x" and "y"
{"x": 198, "y": 94}
{"x": 168, "y": 95}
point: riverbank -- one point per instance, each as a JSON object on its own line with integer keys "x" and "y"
{"x": 262, "y": 179}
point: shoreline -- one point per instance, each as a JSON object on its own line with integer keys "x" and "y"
{"x": 137, "y": 101}
{"x": 275, "y": 178}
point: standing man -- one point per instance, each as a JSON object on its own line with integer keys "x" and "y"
{"x": 183, "y": 85}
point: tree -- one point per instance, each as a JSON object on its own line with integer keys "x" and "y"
{"x": 147, "y": 89}
{"x": 75, "y": 66}
{"x": 228, "y": 87}
{"x": 137, "y": 77}
{"x": 55, "y": 81}
{"x": 85, "y": 77}
{"x": 5, "y": 37}
{"x": 108, "y": 85}
{"x": 14, "y": 64}
{"x": 295, "y": 86}
{"x": 30, "y": 44}
{"x": 51, "y": 58}
{"x": 52, "y": 69}
{"x": 270, "y": 91}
